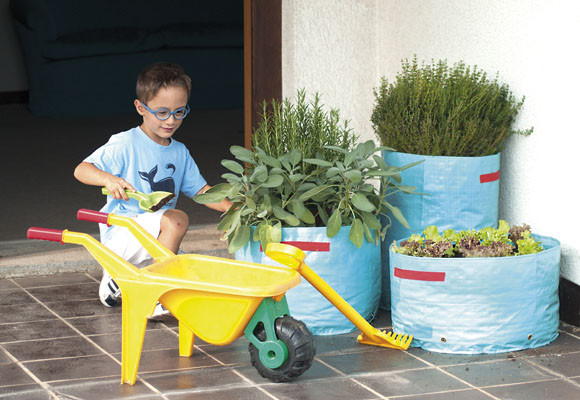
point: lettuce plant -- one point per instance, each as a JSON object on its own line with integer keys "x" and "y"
{"x": 502, "y": 241}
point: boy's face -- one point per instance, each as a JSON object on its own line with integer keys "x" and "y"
{"x": 172, "y": 98}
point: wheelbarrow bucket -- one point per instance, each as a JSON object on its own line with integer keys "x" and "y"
{"x": 148, "y": 202}
{"x": 294, "y": 258}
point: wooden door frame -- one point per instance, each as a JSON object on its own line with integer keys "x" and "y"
{"x": 262, "y": 59}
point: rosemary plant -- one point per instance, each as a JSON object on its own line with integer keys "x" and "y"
{"x": 304, "y": 126}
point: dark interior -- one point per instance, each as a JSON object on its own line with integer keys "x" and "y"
{"x": 82, "y": 61}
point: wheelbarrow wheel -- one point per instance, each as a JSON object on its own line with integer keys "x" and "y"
{"x": 301, "y": 349}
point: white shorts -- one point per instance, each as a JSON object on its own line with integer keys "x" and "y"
{"x": 124, "y": 244}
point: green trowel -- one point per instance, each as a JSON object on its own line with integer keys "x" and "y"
{"x": 149, "y": 202}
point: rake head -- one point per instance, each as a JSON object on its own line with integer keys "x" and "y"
{"x": 392, "y": 340}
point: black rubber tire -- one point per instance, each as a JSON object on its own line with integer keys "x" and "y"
{"x": 301, "y": 350}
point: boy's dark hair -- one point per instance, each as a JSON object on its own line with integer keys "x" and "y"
{"x": 161, "y": 75}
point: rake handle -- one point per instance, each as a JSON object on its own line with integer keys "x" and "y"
{"x": 53, "y": 235}
{"x": 91, "y": 215}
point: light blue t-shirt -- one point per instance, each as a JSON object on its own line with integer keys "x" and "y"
{"x": 149, "y": 167}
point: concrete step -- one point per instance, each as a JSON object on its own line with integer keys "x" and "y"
{"x": 21, "y": 258}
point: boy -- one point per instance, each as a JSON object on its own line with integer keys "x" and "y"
{"x": 146, "y": 158}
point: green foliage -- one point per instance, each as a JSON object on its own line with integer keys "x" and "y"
{"x": 435, "y": 109}
{"x": 274, "y": 192}
{"x": 487, "y": 242}
{"x": 305, "y": 169}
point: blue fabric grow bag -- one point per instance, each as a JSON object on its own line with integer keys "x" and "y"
{"x": 462, "y": 193}
{"x": 477, "y": 305}
{"x": 355, "y": 274}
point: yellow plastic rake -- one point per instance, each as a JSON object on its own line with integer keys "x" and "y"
{"x": 294, "y": 257}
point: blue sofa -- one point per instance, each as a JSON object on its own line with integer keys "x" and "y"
{"x": 83, "y": 57}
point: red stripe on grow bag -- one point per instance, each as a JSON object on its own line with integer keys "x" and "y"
{"x": 484, "y": 178}
{"x": 308, "y": 246}
{"x": 419, "y": 275}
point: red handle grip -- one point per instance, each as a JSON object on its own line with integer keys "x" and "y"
{"x": 54, "y": 235}
{"x": 90, "y": 215}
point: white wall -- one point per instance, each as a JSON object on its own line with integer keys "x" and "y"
{"x": 12, "y": 69}
{"x": 342, "y": 48}
{"x": 330, "y": 47}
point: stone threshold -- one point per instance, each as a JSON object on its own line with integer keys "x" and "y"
{"x": 21, "y": 258}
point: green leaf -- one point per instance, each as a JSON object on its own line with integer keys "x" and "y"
{"x": 361, "y": 202}
{"x": 243, "y": 154}
{"x": 384, "y": 148}
{"x": 368, "y": 148}
{"x": 240, "y": 238}
{"x": 432, "y": 233}
{"x": 406, "y": 189}
{"x": 350, "y": 157}
{"x": 235, "y": 190}
{"x": 356, "y": 234}
{"x": 233, "y": 223}
{"x": 286, "y": 165}
{"x": 336, "y": 148}
{"x": 246, "y": 211}
{"x": 411, "y": 165}
{"x": 334, "y": 223}
{"x": 390, "y": 171}
{"x": 220, "y": 187}
{"x": 353, "y": 175}
{"x": 313, "y": 192}
{"x": 296, "y": 177}
{"x": 397, "y": 214}
{"x": 304, "y": 187}
{"x": 316, "y": 161}
{"x": 250, "y": 203}
{"x": 208, "y": 198}
{"x": 260, "y": 174}
{"x": 503, "y": 227}
{"x": 322, "y": 214}
{"x": 275, "y": 233}
{"x": 227, "y": 220}
{"x": 258, "y": 232}
{"x": 294, "y": 156}
{"x": 301, "y": 211}
{"x": 232, "y": 178}
{"x": 268, "y": 160}
{"x": 284, "y": 215}
{"x": 297, "y": 207}
{"x": 273, "y": 181}
{"x": 380, "y": 162}
{"x": 367, "y": 232}
{"x": 332, "y": 172}
{"x": 233, "y": 166}
{"x": 371, "y": 220}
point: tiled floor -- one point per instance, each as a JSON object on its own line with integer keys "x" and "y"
{"x": 58, "y": 342}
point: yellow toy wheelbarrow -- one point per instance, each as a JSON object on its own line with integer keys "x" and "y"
{"x": 217, "y": 299}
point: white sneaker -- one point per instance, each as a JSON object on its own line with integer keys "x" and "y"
{"x": 159, "y": 311}
{"x": 109, "y": 292}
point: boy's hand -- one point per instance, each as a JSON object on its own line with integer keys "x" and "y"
{"x": 117, "y": 186}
